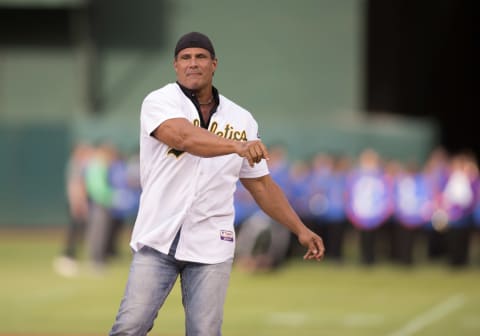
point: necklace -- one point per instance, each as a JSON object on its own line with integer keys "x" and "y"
{"x": 208, "y": 102}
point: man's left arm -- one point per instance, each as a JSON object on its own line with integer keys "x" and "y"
{"x": 272, "y": 200}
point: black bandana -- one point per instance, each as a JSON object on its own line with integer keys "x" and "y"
{"x": 194, "y": 40}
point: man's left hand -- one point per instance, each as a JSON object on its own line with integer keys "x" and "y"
{"x": 313, "y": 243}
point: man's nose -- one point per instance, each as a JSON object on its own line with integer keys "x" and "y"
{"x": 193, "y": 62}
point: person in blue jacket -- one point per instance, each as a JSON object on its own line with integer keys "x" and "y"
{"x": 413, "y": 209}
{"x": 335, "y": 215}
{"x": 369, "y": 203}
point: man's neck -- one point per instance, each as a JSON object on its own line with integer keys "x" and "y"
{"x": 201, "y": 96}
{"x": 205, "y": 110}
{"x": 205, "y": 95}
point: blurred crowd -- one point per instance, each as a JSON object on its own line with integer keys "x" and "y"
{"x": 103, "y": 192}
{"x": 395, "y": 209}
{"x": 387, "y": 203}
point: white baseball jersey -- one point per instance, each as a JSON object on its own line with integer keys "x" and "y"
{"x": 188, "y": 192}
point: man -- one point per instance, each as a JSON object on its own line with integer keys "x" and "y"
{"x": 77, "y": 197}
{"x": 194, "y": 146}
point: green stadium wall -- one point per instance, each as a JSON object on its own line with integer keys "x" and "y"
{"x": 296, "y": 65}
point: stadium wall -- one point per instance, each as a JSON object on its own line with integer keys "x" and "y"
{"x": 297, "y": 66}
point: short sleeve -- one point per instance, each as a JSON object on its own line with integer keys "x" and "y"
{"x": 156, "y": 108}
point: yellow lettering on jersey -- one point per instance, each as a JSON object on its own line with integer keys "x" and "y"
{"x": 213, "y": 127}
{"x": 228, "y": 132}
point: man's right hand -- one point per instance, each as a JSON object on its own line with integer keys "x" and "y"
{"x": 254, "y": 151}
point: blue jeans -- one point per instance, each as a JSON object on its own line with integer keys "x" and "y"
{"x": 153, "y": 275}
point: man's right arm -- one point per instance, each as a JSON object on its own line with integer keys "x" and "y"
{"x": 182, "y": 135}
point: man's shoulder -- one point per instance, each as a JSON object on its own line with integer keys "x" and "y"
{"x": 168, "y": 91}
{"x": 232, "y": 106}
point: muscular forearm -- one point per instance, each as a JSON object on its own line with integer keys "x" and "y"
{"x": 274, "y": 203}
{"x": 182, "y": 135}
{"x": 205, "y": 144}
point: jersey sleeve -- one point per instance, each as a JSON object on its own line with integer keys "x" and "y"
{"x": 157, "y": 108}
{"x": 259, "y": 169}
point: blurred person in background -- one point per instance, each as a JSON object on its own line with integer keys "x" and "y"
{"x": 458, "y": 202}
{"x": 336, "y": 223}
{"x": 476, "y": 216}
{"x": 369, "y": 201}
{"x": 321, "y": 167}
{"x": 194, "y": 146}
{"x": 300, "y": 172}
{"x": 413, "y": 209}
{"x": 124, "y": 179}
{"x": 78, "y": 208}
{"x": 103, "y": 190}
{"x": 436, "y": 172}
{"x": 113, "y": 196}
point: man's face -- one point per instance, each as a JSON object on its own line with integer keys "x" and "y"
{"x": 195, "y": 68}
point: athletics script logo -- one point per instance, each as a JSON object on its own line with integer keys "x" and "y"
{"x": 228, "y": 132}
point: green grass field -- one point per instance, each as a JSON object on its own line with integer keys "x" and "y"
{"x": 300, "y": 299}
